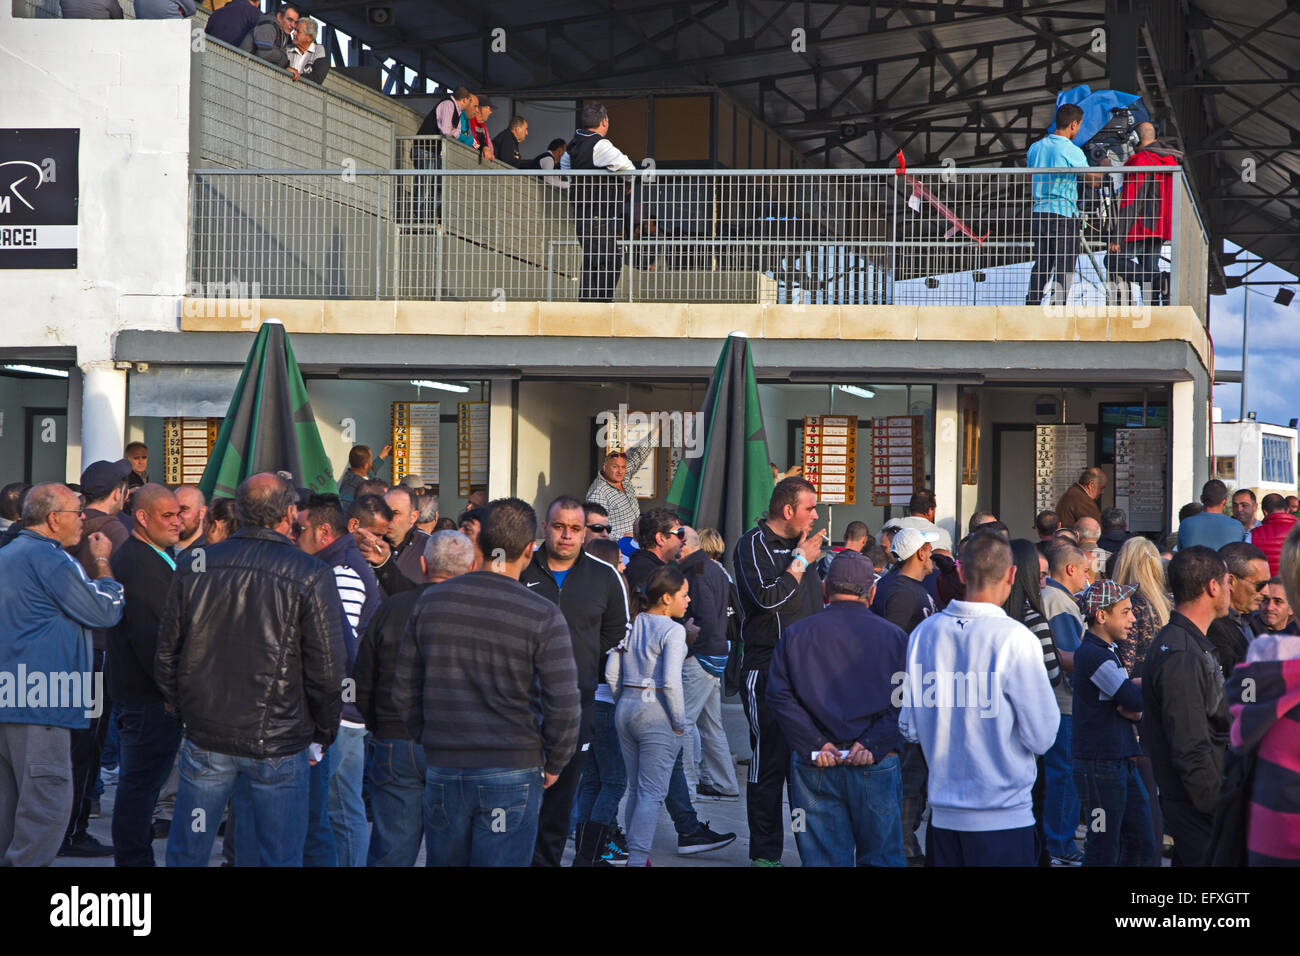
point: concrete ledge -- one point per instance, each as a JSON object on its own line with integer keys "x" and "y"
{"x": 893, "y": 323}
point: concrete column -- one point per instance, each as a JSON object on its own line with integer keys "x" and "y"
{"x": 501, "y": 434}
{"x": 947, "y": 458}
{"x": 72, "y": 471}
{"x": 103, "y": 411}
{"x": 1183, "y": 470}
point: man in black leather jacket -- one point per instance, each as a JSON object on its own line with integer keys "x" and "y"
{"x": 251, "y": 657}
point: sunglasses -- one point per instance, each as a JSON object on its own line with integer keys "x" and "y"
{"x": 599, "y": 528}
{"x": 679, "y": 534}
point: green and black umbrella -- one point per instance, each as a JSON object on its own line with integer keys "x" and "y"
{"x": 269, "y": 425}
{"x": 728, "y": 486}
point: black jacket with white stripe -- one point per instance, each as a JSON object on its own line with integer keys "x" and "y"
{"x": 594, "y": 604}
{"x": 771, "y": 599}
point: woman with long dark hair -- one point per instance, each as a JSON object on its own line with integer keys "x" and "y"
{"x": 1025, "y": 604}
{"x": 645, "y": 677}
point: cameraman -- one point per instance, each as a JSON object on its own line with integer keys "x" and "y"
{"x": 1055, "y": 219}
{"x": 1144, "y": 219}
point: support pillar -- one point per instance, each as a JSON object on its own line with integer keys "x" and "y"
{"x": 103, "y": 411}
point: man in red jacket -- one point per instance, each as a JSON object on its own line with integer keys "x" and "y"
{"x": 1145, "y": 215}
{"x": 1272, "y": 531}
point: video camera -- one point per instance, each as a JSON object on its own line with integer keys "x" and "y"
{"x": 1116, "y": 141}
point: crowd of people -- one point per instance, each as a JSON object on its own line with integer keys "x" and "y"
{"x": 341, "y": 680}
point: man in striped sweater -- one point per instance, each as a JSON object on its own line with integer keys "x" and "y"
{"x": 322, "y": 530}
{"x": 487, "y": 683}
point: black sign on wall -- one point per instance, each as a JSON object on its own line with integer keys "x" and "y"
{"x": 38, "y": 198}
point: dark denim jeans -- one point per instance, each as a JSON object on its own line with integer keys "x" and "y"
{"x": 396, "y": 795}
{"x": 604, "y": 779}
{"x": 678, "y": 802}
{"x": 484, "y": 817}
{"x": 848, "y": 816}
{"x": 1061, "y": 806}
{"x": 147, "y": 743}
{"x": 270, "y": 799}
{"x": 1116, "y": 812}
{"x": 319, "y": 848}
{"x": 347, "y": 809}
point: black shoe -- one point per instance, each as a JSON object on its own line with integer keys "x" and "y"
{"x": 614, "y": 854}
{"x": 713, "y": 793}
{"x": 161, "y": 829}
{"x": 619, "y": 839}
{"x": 703, "y": 840}
{"x": 84, "y": 845}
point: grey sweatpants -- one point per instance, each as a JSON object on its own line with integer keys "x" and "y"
{"x": 35, "y": 793}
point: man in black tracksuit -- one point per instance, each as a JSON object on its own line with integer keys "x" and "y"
{"x": 597, "y": 203}
{"x": 1185, "y": 718}
{"x": 593, "y": 602}
{"x": 777, "y": 587}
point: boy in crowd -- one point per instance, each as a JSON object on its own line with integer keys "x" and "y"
{"x": 1107, "y": 705}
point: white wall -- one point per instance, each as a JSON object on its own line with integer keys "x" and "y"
{"x": 125, "y": 85}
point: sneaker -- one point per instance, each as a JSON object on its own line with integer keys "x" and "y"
{"x": 766, "y": 863}
{"x": 710, "y": 792}
{"x": 84, "y": 845}
{"x": 703, "y": 840}
{"x": 612, "y": 854}
{"x": 1073, "y": 858}
{"x": 618, "y": 838}
{"x": 108, "y": 774}
{"x": 1081, "y": 832}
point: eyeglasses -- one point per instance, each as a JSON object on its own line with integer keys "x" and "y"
{"x": 68, "y": 511}
{"x": 679, "y": 533}
{"x": 599, "y": 528}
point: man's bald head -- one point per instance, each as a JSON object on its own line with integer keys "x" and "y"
{"x": 1088, "y": 530}
{"x": 264, "y": 500}
{"x": 1146, "y": 133}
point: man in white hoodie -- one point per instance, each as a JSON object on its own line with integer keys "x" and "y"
{"x": 977, "y": 699}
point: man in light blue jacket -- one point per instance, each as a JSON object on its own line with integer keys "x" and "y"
{"x": 47, "y": 682}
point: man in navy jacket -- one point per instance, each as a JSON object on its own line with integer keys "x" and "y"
{"x": 832, "y": 688}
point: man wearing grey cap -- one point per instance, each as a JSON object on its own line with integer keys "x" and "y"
{"x": 832, "y": 686}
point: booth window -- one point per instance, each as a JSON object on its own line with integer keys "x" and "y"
{"x": 1279, "y": 461}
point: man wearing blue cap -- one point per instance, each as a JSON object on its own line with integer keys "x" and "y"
{"x": 831, "y": 687}
{"x": 1107, "y": 705}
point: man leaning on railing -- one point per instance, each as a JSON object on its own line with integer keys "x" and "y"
{"x": 270, "y": 38}
{"x": 307, "y": 58}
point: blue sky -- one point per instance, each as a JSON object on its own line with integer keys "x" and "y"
{"x": 1273, "y": 386}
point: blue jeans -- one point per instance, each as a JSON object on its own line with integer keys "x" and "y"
{"x": 1117, "y": 814}
{"x": 483, "y": 817}
{"x": 678, "y": 802}
{"x": 318, "y": 847}
{"x": 649, "y": 750}
{"x": 604, "y": 779}
{"x": 852, "y": 816}
{"x": 149, "y": 738}
{"x": 347, "y": 811}
{"x": 270, "y": 796}
{"x": 396, "y": 791}
{"x": 1061, "y": 805}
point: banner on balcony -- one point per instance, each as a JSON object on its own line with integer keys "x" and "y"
{"x": 38, "y": 198}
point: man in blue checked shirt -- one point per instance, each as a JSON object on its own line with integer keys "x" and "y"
{"x": 1055, "y": 218}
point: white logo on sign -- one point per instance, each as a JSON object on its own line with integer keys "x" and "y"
{"x": 13, "y": 185}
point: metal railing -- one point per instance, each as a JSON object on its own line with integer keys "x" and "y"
{"x": 248, "y": 114}
{"x": 927, "y": 237}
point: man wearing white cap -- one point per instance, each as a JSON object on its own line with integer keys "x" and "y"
{"x": 906, "y": 602}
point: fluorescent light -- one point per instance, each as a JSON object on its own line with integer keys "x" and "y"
{"x": 858, "y": 391}
{"x": 425, "y": 383}
{"x": 37, "y": 370}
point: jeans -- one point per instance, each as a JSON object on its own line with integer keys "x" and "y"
{"x": 1061, "y": 809}
{"x": 318, "y": 846}
{"x": 851, "y": 816}
{"x": 678, "y": 801}
{"x": 1056, "y": 248}
{"x": 650, "y": 749}
{"x": 108, "y": 756}
{"x": 347, "y": 811}
{"x": 396, "y": 797}
{"x": 149, "y": 738}
{"x": 270, "y": 798}
{"x": 481, "y": 817}
{"x": 604, "y": 779}
{"x": 1115, "y": 812}
{"x": 915, "y": 776}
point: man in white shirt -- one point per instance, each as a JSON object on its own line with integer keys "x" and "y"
{"x": 597, "y": 202}
{"x": 977, "y": 699}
